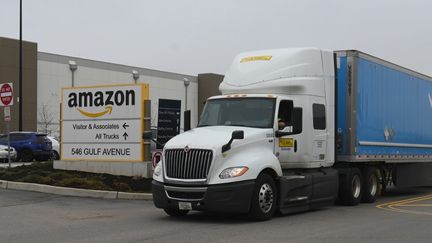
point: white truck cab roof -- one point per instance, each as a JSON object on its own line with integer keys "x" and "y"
{"x": 279, "y": 71}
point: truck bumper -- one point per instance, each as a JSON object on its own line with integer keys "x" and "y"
{"x": 230, "y": 197}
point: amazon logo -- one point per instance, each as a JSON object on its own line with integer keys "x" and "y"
{"x": 105, "y": 100}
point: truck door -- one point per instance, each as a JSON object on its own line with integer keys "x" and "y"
{"x": 319, "y": 132}
{"x": 289, "y": 142}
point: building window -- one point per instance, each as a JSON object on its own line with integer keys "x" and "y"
{"x": 319, "y": 119}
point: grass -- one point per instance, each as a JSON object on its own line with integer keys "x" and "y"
{"x": 43, "y": 173}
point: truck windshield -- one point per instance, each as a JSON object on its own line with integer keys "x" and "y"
{"x": 248, "y": 112}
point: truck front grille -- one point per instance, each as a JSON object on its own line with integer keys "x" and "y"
{"x": 193, "y": 164}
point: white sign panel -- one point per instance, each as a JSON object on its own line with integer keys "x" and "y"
{"x": 7, "y": 115}
{"x": 102, "y": 131}
{"x": 104, "y": 151}
{"x": 103, "y": 123}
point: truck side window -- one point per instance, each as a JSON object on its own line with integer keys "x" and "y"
{"x": 319, "y": 119}
{"x": 285, "y": 114}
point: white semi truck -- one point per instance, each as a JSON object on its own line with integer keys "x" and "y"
{"x": 296, "y": 129}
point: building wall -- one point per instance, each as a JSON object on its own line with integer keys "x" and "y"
{"x": 9, "y": 73}
{"x": 208, "y": 85}
{"x": 54, "y": 73}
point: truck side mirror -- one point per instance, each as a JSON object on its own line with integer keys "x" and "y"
{"x": 238, "y": 134}
{"x": 287, "y": 129}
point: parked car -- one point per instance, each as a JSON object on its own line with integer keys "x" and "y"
{"x": 4, "y": 153}
{"x": 29, "y": 145}
{"x": 55, "y": 148}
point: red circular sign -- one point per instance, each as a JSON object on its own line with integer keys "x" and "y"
{"x": 156, "y": 158}
{"x": 6, "y": 94}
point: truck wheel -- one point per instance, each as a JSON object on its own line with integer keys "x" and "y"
{"x": 175, "y": 212}
{"x": 370, "y": 185}
{"x": 350, "y": 188}
{"x": 26, "y": 155}
{"x": 263, "y": 203}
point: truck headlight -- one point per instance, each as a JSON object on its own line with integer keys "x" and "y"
{"x": 158, "y": 170}
{"x": 233, "y": 172}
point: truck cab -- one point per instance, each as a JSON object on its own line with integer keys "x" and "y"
{"x": 266, "y": 144}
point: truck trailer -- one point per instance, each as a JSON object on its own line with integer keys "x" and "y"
{"x": 297, "y": 129}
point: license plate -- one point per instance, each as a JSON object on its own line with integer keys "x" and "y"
{"x": 185, "y": 205}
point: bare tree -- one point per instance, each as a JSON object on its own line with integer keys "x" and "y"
{"x": 46, "y": 118}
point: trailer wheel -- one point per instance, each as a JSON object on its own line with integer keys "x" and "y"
{"x": 175, "y": 212}
{"x": 263, "y": 203}
{"x": 370, "y": 185}
{"x": 350, "y": 188}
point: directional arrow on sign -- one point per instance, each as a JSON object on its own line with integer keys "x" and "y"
{"x": 125, "y": 135}
{"x": 125, "y": 126}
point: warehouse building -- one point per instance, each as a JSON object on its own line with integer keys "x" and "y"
{"x": 45, "y": 74}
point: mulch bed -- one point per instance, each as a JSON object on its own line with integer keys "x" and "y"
{"x": 43, "y": 173}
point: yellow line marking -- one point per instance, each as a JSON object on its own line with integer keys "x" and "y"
{"x": 404, "y": 200}
{"x": 413, "y": 200}
{"x": 392, "y": 206}
{"x": 416, "y": 205}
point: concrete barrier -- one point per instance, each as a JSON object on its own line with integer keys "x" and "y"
{"x": 75, "y": 192}
{"x": 140, "y": 169}
{"x": 65, "y": 191}
{"x": 3, "y": 184}
{"x": 134, "y": 196}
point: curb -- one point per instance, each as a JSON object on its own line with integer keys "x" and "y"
{"x": 75, "y": 192}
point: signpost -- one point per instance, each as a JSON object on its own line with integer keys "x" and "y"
{"x": 7, "y": 115}
{"x": 168, "y": 120}
{"x": 6, "y": 100}
{"x": 103, "y": 123}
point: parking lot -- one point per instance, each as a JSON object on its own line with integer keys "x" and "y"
{"x": 419, "y": 205}
{"x": 400, "y": 216}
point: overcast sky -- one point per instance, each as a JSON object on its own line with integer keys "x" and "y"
{"x": 199, "y": 36}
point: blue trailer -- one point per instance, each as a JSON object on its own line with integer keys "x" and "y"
{"x": 384, "y": 117}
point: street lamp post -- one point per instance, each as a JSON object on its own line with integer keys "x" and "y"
{"x": 20, "y": 120}
{"x": 135, "y": 75}
{"x": 186, "y": 84}
{"x": 73, "y": 67}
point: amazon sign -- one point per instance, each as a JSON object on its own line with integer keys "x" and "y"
{"x": 103, "y": 123}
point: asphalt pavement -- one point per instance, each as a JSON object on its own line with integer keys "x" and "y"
{"x": 400, "y": 216}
